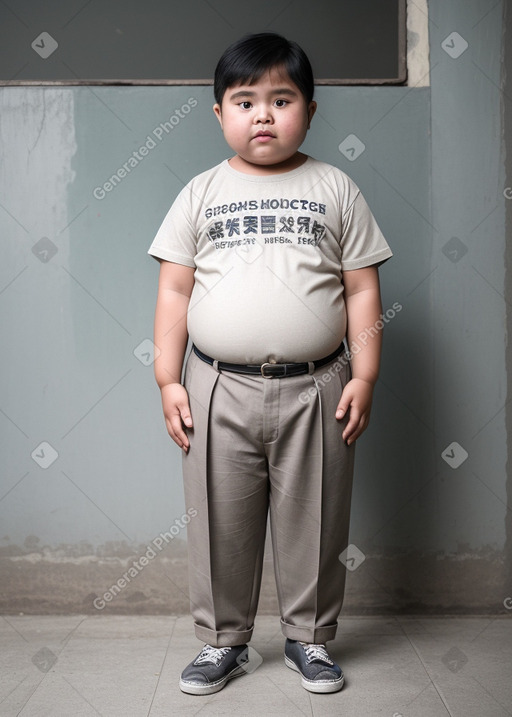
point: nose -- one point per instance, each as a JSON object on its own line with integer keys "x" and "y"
{"x": 263, "y": 114}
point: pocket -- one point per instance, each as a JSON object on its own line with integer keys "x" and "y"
{"x": 186, "y": 373}
{"x": 331, "y": 379}
{"x": 345, "y": 371}
{"x": 349, "y": 367}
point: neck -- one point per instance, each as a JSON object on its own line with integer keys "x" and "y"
{"x": 241, "y": 165}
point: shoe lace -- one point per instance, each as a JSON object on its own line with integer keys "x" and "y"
{"x": 211, "y": 654}
{"x": 317, "y": 652}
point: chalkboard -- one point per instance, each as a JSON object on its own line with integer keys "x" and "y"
{"x": 179, "y": 41}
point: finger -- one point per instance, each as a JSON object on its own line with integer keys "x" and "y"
{"x": 357, "y": 431}
{"x": 352, "y": 425}
{"x": 172, "y": 433}
{"x": 184, "y": 410}
{"x": 340, "y": 411}
{"x": 343, "y": 405}
{"x": 177, "y": 433}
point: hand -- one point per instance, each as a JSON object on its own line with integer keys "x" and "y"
{"x": 177, "y": 413}
{"x": 357, "y": 396}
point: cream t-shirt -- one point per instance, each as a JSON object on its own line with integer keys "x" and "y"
{"x": 269, "y": 253}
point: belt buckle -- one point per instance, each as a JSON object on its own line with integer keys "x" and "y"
{"x": 274, "y": 365}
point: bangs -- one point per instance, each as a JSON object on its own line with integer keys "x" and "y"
{"x": 250, "y": 58}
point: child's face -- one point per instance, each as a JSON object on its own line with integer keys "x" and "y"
{"x": 265, "y": 123}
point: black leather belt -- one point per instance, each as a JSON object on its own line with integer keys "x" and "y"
{"x": 269, "y": 370}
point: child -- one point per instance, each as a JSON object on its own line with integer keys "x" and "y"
{"x": 268, "y": 261}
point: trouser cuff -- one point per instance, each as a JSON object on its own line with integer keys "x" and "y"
{"x": 315, "y": 635}
{"x": 222, "y": 638}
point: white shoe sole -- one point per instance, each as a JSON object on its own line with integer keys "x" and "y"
{"x": 322, "y": 686}
{"x": 197, "y": 688}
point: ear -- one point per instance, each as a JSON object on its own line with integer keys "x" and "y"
{"x": 218, "y": 113}
{"x": 311, "y": 111}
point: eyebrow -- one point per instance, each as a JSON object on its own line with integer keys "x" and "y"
{"x": 278, "y": 91}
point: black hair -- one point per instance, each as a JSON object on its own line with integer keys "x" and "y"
{"x": 247, "y": 59}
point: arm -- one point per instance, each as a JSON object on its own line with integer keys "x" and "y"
{"x": 364, "y": 309}
{"x": 174, "y": 288}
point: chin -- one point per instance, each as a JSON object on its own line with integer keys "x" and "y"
{"x": 261, "y": 160}
{"x": 270, "y": 160}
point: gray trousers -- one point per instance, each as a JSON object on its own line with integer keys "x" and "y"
{"x": 260, "y": 445}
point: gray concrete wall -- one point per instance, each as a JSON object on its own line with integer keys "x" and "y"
{"x": 90, "y": 478}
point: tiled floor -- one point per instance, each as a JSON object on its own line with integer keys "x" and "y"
{"x": 80, "y": 666}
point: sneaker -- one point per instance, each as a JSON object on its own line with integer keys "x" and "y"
{"x": 212, "y": 668}
{"x": 319, "y": 673}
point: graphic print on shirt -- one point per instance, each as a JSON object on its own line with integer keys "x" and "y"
{"x": 291, "y": 222}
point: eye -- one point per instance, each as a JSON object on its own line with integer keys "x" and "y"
{"x": 281, "y": 103}
{"x": 245, "y": 105}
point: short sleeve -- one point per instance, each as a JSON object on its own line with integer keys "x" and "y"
{"x": 362, "y": 242}
{"x": 176, "y": 240}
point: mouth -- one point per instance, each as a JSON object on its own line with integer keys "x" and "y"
{"x": 263, "y": 136}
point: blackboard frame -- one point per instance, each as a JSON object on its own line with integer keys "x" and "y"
{"x": 399, "y": 79}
